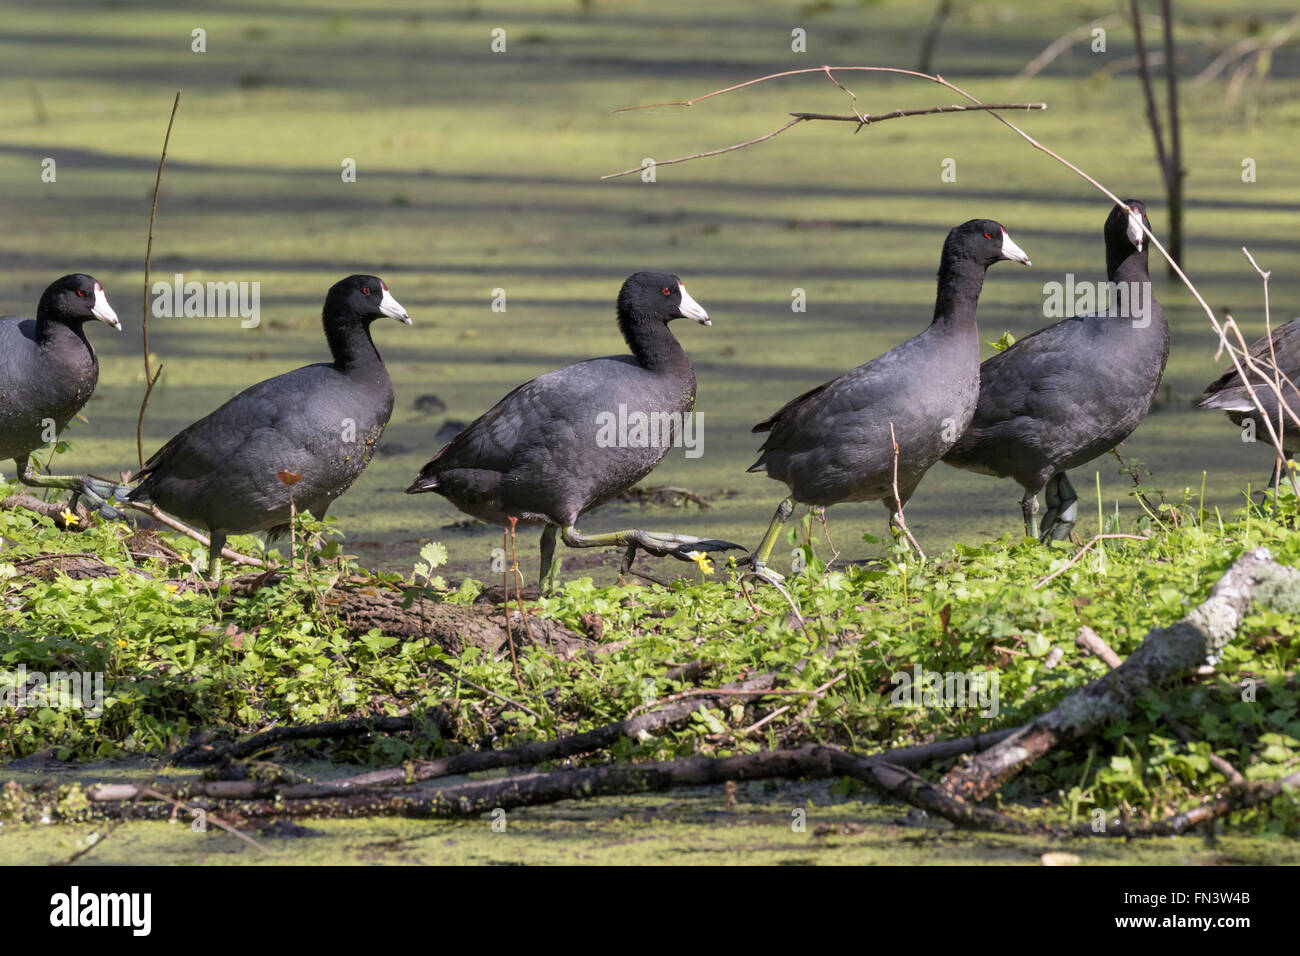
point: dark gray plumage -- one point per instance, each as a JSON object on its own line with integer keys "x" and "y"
{"x": 1065, "y": 394}
{"x": 832, "y": 443}
{"x": 48, "y": 370}
{"x": 1228, "y": 393}
{"x": 321, "y": 421}
{"x": 537, "y": 455}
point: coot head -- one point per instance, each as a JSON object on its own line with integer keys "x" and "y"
{"x": 648, "y": 297}
{"x": 984, "y": 242}
{"x": 1123, "y": 229}
{"x": 362, "y": 297}
{"x": 77, "y": 298}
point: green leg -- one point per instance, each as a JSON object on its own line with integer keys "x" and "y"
{"x": 656, "y": 543}
{"x": 29, "y": 476}
{"x": 758, "y": 559}
{"x": 217, "y": 541}
{"x": 1029, "y": 508}
{"x": 550, "y": 572}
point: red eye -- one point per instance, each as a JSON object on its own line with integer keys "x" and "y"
{"x": 365, "y": 290}
{"x": 668, "y": 291}
{"x": 81, "y": 294}
{"x": 988, "y": 235}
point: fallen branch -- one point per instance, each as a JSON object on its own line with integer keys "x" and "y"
{"x": 53, "y": 510}
{"x": 1090, "y": 641}
{"x": 481, "y": 796}
{"x": 1164, "y": 655}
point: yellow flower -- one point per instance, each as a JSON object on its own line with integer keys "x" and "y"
{"x": 701, "y": 559}
{"x": 121, "y": 642}
{"x": 171, "y": 588}
{"x": 70, "y": 520}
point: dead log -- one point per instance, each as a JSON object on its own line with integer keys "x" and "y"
{"x": 451, "y": 626}
{"x": 892, "y": 779}
{"x": 1166, "y": 654}
{"x": 247, "y": 800}
{"x": 483, "y": 796}
{"x": 53, "y": 510}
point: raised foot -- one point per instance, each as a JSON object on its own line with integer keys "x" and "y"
{"x": 97, "y": 492}
{"x": 679, "y": 546}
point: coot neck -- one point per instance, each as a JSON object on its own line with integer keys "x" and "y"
{"x": 53, "y": 332}
{"x": 653, "y": 344}
{"x": 1126, "y": 265}
{"x": 350, "y": 344}
{"x": 960, "y": 282}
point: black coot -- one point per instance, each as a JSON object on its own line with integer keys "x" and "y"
{"x": 321, "y": 421}
{"x": 1229, "y": 394}
{"x": 832, "y": 444}
{"x": 48, "y": 371}
{"x": 1065, "y": 394}
{"x": 554, "y": 447}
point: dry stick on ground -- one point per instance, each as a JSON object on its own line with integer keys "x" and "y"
{"x": 1165, "y": 654}
{"x": 207, "y": 817}
{"x": 150, "y": 376}
{"x": 152, "y": 511}
{"x": 1237, "y": 355}
{"x": 1084, "y": 550}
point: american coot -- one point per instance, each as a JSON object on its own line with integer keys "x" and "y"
{"x": 832, "y": 444}
{"x": 1065, "y": 394}
{"x": 544, "y": 455}
{"x": 1229, "y": 394}
{"x": 48, "y": 371}
{"x": 321, "y": 421}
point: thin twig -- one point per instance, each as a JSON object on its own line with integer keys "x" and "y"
{"x": 898, "y": 503}
{"x": 860, "y": 119}
{"x": 1277, "y": 372}
{"x": 1084, "y": 550}
{"x": 439, "y": 665}
{"x": 151, "y": 377}
{"x": 718, "y": 692}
